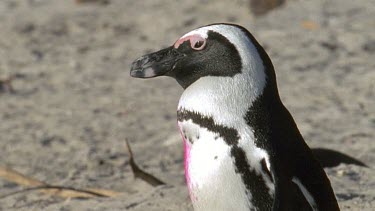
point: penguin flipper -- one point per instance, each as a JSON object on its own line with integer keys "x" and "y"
{"x": 313, "y": 182}
{"x": 295, "y": 195}
{"x": 304, "y": 187}
{"x": 290, "y": 200}
{"x": 332, "y": 158}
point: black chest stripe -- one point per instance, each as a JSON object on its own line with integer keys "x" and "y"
{"x": 230, "y": 135}
{"x": 254, "y": 183}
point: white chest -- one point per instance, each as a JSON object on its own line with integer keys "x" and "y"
{"x": 210, "y": 171}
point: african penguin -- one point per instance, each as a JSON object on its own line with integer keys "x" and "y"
{"x": 243, "y": 150}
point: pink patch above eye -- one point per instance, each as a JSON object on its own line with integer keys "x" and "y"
{"x": 193, "y": 40}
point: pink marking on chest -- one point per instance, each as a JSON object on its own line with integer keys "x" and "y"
{"x": 186, "y": 161}
{"x": 187, "y": 148}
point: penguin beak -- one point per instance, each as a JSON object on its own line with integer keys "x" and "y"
{"x": 156, "y": 64}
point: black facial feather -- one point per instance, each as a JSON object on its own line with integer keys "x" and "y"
{"x": 218, "y": 58}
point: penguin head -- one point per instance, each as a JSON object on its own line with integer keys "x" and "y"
{"x": 213, "y": 51}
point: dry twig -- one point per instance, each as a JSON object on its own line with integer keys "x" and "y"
{"x": 139, "y": 173}
{"x": 61, "y": 191}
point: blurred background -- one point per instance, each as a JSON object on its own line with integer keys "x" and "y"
{"x": 67, "y": 102}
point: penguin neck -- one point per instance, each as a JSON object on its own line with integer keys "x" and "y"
{"x": 225, "y": 99}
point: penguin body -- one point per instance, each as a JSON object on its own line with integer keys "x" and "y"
{"x": 243, "y": 150}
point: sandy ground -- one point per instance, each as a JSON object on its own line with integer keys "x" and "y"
{"x": 74, "y": 102}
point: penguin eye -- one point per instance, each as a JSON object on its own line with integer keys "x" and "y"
{"x": 197, "y": 43}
